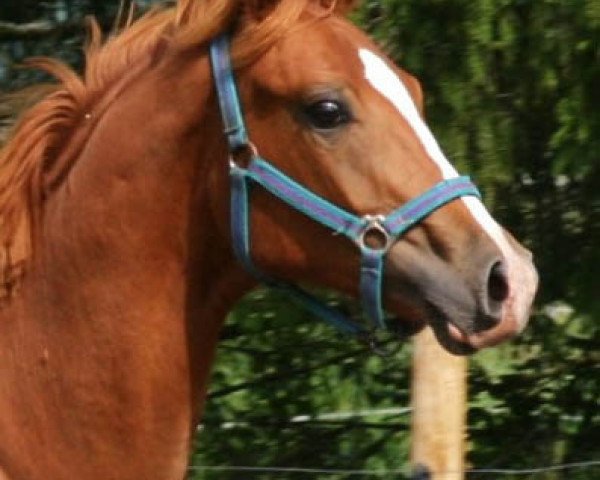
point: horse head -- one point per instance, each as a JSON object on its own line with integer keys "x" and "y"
{"x": 326, "y": 106}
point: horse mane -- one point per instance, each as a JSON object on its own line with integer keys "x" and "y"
{"x": 44, "y": 129}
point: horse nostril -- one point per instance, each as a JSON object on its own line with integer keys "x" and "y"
{"x": 497, "y": 286}
{"x": 494, "y": 293}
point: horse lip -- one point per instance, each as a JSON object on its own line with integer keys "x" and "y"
{"x": 457, "y": 334}
{"x": 450, "y": 336}
{"x": 453, "y": 339}
{"x": 477, "y": 340}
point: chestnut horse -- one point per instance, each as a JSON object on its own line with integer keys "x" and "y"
{"x": 117, "y": 259}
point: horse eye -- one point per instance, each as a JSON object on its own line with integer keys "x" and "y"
{"x": 327, "y": 114}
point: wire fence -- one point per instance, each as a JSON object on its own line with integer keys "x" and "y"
{"x": 400, "y": 473}
{"x": 321, "y": 418}
{"x": 420, "y": 473}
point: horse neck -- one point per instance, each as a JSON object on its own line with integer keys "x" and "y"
{"x": 117, "y": 323}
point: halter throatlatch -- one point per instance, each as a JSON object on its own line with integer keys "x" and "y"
{"x": 387, "y": 228}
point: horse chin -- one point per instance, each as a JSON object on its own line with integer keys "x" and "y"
{"x": 403, "y": 327}
{"x": 453, "y": 339}
{"x": 450, "y": 337}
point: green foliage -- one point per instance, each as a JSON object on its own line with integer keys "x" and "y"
{"x": 281, "y": 385}
{"x": 542, "y": 406}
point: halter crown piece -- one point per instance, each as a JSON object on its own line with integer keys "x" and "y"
{"x": 259, "y": 171}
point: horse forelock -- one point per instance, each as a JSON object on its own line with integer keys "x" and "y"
{"x": 44, "y": 130}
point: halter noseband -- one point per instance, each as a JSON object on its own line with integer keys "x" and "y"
{"x": 388, "y": 228}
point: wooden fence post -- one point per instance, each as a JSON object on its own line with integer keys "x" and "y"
{"x": 439, "y": 394}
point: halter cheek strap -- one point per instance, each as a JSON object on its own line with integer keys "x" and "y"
{"x": 389, "y": 228}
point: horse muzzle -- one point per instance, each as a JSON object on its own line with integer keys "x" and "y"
{"x": 469, "y": 308}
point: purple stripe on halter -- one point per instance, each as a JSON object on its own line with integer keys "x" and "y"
{"x": 298, "y": 199}
{"x": 413, "y": 214}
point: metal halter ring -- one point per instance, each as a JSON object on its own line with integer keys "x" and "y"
{"x": 245, "y": 152}
{"x": 374, "y": 226}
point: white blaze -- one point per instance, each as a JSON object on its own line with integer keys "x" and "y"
{"x": 386, "y": 82}
{"x": 522, "y": 277}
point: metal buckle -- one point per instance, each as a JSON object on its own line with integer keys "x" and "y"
{"x": 374, "y": 224}
{"x": 245, "y": 153}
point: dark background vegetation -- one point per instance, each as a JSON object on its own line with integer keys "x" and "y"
{"x": 512, "y": 90}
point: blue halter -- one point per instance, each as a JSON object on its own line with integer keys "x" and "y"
{"x": 388, "y": 228}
